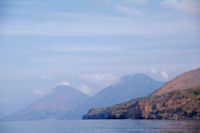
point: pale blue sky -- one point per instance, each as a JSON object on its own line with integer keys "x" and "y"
{"x": 89, "y": 44}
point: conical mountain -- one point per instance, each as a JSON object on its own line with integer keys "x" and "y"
{"x": 55, "y": 105}
{"x": 127, "y": 88}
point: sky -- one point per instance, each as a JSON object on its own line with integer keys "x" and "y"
{"x": 90, "y": 44}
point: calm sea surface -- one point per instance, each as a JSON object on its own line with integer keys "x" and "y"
{"x": 100, "y": 126}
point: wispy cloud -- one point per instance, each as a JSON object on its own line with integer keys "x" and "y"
{"x": 63, "y": 83}
{"x": 153, "y": 70}
{"x": 106, "y": 79}
{"x": 40, "y": 92}
{"x": 57, "y": 23}
{"x": 191, "y": 6}
{"x": 164, "y": 75}
{"x": 128, "y": 11}
{"x": 84, "y": 88}
{"x": 46, "y": 77}
{"x": 83, "y": 48}
{"x": 139, "y": 2}
{"x": 3, "y": 100}
{"x": 98, "y": 26}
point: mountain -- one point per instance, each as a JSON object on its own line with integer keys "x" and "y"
{"x": 65, "y": 102}
{"x": 186, "y": 80}
{"x": 127, "y": 88}
{"x": 173, "y": 105}
{"x": 56, "y": 105}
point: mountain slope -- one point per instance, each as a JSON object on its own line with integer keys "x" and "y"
{"x": 186, "y": 80}
{"x": 56, "y": 105}
{"x": 127, "y": 88}
{"x": 174, "y": 105}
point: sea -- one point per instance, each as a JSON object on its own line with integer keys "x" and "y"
{"x": 101, "y": 126}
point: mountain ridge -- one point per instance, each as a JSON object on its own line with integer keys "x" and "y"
{"x": 190, "y": 79}
{"x": 181, "y": 100}
{"x": 64, "y": 103}
{"x": 53, "y": 105}
{"x": 174, "y": 105}
{"x": 127, "y": 88}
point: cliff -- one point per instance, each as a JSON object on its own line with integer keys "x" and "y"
{"x": 174, "y": 105}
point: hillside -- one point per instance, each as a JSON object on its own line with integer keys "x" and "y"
{"x": 186, "y": 80}
{"x": 56, "y": 105}
{"x": 174, "y": 105}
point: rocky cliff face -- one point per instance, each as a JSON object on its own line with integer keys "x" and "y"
{"x": 186, "y": 80}
{"x": 173, "y": 105}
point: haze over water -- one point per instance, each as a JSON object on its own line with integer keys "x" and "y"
{"x": 100, "y": 126}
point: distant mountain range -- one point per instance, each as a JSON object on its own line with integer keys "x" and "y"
{"x": 69, "y": 103}
{"x": 56, "y": 105}
{"x": 171, "y": 101}
{"x": 128, "y": 87}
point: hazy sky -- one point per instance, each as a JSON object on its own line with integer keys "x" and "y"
{"x": 89, "y": 44}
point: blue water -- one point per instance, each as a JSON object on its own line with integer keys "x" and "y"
{"x": 100, "y": 126}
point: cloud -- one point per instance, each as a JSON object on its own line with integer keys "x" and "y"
{"x": 153, "y": 70}
{"x": 46, "y": 77}
{"x": 191, "y": 6}
{"x": 106, "y": 79}
{"x": 55, "y": 23}
{"x": 164, "y": 75}
{"x": 82, "y": 48}
{"x": 84, "y": 88}
{"x": 3, "y": 100}
{"x": 128, "y": 11}
{"x": 126, "y": 6}
{"x": 40, "y": 92}
{"x": 63, "y": 83}
{"x": 139, "y": 2}
{"x": 102, "y": 25}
